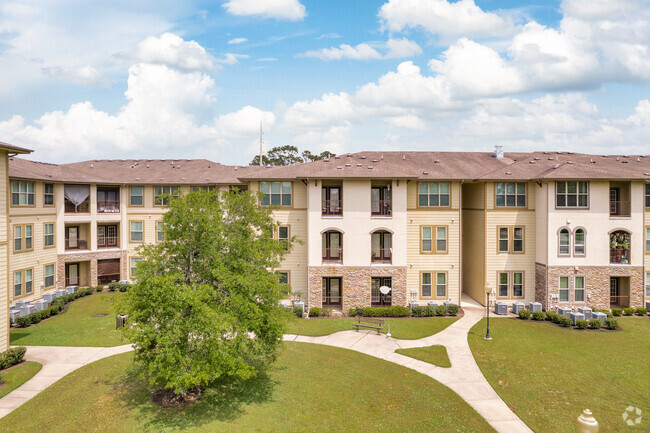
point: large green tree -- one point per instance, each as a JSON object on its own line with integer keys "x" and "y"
{"x": 285, "y": 155}
{"x": 205, "y": 305}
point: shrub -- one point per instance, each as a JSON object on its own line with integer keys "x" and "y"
{"x": 23, "y": 321}
{"x": 53, "y": 310}
{"x": 557, "y": 318}
{"x": 524, "y": 314}
{"x": 441, "y": 310}
{"x": 427, "y": 311}
{"x": 564, "y": 322}
{"x": 641, "y": 311}
{"x": 616, "y": 311}
{"x": 611, "y": 324}
{"x": 550, "y": 315}
{"x": 452, "y": 310}
{"x": 11, "y": 357}
{"x": 89, "y": 291}
{"x": 582, "y": 324}
{"x": 320, "y": 312}
{"x": 594, "y": 324}
{"x": 353, "y": 312}
{"x": 628, "y": 311}
{"x": 297, "y": 311}
{"x": 99, "y": 288}
{"x": 394, "y": 311}
{"x": 122, "y": 287}
{"x": 539, "y": 315}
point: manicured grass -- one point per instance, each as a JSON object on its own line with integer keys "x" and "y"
{"x": 436, "y": 355}
{"x": 549, "y": 375}
{"x": 12, "y": 378}
{"x": 75, "y": 327}
{"x": 310, "y": 388}
{"x": 407, "y": 328}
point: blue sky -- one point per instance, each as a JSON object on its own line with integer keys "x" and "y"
{"x": 168, "y": 79}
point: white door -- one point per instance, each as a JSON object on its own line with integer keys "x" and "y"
{"x": 73, "y": 274}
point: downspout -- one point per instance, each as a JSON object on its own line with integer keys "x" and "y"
{"x": 460, "y": 241}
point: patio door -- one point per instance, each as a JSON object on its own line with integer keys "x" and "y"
{"x": 73, "y": 236}
{"x": 72, "y": 274}
{"x": 378, "y": 298}
{"x": 332, "y": 289}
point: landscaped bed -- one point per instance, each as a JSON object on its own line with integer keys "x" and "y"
{"x": 81, "y": 325}
{"x": 548, "y": 374}
{"x": 407, "y": 328}
{"x": 15, "y": 376}
{"x": 310, "y": 388}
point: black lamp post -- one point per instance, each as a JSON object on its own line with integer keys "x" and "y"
{"x": 488, "y": 290}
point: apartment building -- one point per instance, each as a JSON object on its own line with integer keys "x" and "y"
{"x": 375, "y": 228}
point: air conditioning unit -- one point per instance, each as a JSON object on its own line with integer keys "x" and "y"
{"x": 13, "y": 315}
{"x": 448, "y": 303}
{"x": 49, "y": 297}
{"x": 576, "y": 316}
{"x": 27, "y": 309}
{"x": 600, "y": 316}
{"x": 413, "y": 304}
{"x": 564, "y": 311}
{"x": 41, "y": 305}
{"x": 517, "y": 306}
{"x": 71, "y": 289}
{"x": 60, "y": 292}
{"x": 535, "y": 306}
{"x": 20, "y": 304}
{"x": 432, "y": 304}
{"x": 586, "y": 311}
{"x": 501, "y": 308}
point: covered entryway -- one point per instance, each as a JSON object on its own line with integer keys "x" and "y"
{"x": 108, "y": 271}
{"x": 619, "y": 292}
{"x": 332, "y": 292}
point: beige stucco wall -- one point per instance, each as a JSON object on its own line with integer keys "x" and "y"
{"x": 4, "y": 252}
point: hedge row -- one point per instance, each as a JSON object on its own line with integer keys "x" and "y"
{"x": 53, "y": 309}
{"x": 397, "y": 311}
{"x": 122, "y": 287}
{"x": 567, "y": 322}
{"x": 12, "y": 357}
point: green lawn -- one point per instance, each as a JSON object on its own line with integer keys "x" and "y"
{"x": 310, "y": 389}
{"x": 407, "y": 328}
{"x": 548, "y": 375}
{"x": 436, "y": 355}
{"x": 14, "y": 377}
{"x": 75, "y": 327}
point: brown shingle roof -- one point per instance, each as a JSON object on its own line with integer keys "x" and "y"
{"x": 14, "y": 149}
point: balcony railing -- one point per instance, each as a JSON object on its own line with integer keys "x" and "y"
{"x": 619, "y": 300}
{"x": 76, "y": 244}
{"x": 332, "y": 300}
{"x": 332, "y": 207}
{"x": 107, "y": 279}
{"x": 108, "y": 206}
{"x": 79, "y": 281}
{"x": 108, "y": 242}
{"x": 381, "y": 207}
{"x": 332, "y": 254}
{"x": 620, "y": 208}
{"x": 619, "y": 255}
{"x": 381, "y": 255}
{"x": 82, "y": 208}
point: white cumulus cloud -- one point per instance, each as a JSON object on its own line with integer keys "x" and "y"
{"x": 172, "y": 50}
{"x": 391, "y": 49}
{"x": 291, "y": 10}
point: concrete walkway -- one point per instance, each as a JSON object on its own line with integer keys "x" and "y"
{"x": 464, "y": 377}
{"x": 57, "y": 362}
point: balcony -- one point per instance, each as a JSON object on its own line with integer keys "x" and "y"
{"x": 108, "y": 200}
{"x": 108, "y": 236}
{"x": 76, "y": 244}
{"x": 619, "y": 256}
{"x": 619, "y": 247}
{"x": 620, "y": 209}
{"x": 332, "y": 207}
{"x": 77, "y": 237}
{"x": 333, "y": 255}
{"x": 83, "y": 207}
{"x": 381, "y": 255}
{"x": 381, "y": 207}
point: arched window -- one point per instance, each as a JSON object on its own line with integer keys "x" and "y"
{"x": 619, "y": 247}
{"x": 332, "y": 246}
{"x": 579, "y": 242}
{"x": 381, "y": 247}
{"x": 564, "y": 242}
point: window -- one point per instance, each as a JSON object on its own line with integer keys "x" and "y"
{"x": 579, "y": 289}
{"x": 564, "y": 289}
{"x": 503, "y": 285}
{"x": 276, "y": 193}
{"x": 163, "y": 193}
{"x": 134, "y": 264}
{"x": 564, "y": 242}
{"x": 23, "y": 237}
{"x": 48, "y": 194}
{"x": 160, "y": 231}
{"x": 425, "y": 284}
{"x": 22, "y": 193}
{"x": 48, "y": 234}
{"x": 381, "y": 200}
{"x": 427, "y": 243}
{"x": 511, "y": 239}
{"x": 579, "y": 242}
{"x": 107, "y": 236}
{"x": 283, "y": 235}
{"x": 381, "y": 246}
{"x": 332, "y": 246}
{"x": 441, "y": 285}
{"x": 647, "y": 239}
{"x": 283, "y": 277}
{"x": 332, "y": 203}
{"x": 23, "y": 282}
{"x": 647, "y": 285}
{"x": 206, "y": 188}
{"x": 433, "y": 194}
{"x": 571, "y": 194}
{"x": 504, "y": 239}
{"x": 510, "y": 194}
{"x": 441, "y": 239}
{"x": 137, "y": 231}
{"x": 137, "y": 196}
{"x": 48, "y": 275}
{"x": 517, "y": 284}
{"x": 647, "y": 195}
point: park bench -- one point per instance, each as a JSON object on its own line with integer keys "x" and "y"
{"x": 368, "y": 322}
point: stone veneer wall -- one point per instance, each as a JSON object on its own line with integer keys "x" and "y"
{"x": 596, "y": 284}
{"x": 356, "y": 284}
{"x": 62, "y": 259}
{"x": 540, "y": 285}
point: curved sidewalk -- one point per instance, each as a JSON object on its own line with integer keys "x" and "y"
{"x": 57, "y": 362}
{"x": 463, "y": 377}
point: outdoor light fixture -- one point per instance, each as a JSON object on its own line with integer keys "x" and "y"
{"x": 488, "y": 290}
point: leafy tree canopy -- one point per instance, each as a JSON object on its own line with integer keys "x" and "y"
{"x": 204, "y": 305}
{"x": 285, "y": 155}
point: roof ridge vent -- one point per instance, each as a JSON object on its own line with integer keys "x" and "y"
{"x": 363, "y": 157}
{"x": 370, "y": 167}
{"x": 498, "y": 152}
{"x": 569, "y": 162}
{"x": 425, "y": 172}
{"x": 374, "y": 160}
{"x": 338, "y": 167}
{"x": 437, "y": 161}
{"x": 556, "y": 166}
{"x": 532, "y": 162}
{"x": 348, "y": 165}
{"x": 508, "y": 173}
{"x": 359, "y": 165}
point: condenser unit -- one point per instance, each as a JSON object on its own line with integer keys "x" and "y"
{"x": 501, "y": 308}
{"x": 586, "y": 311}
{"x": 535, "y": 306}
